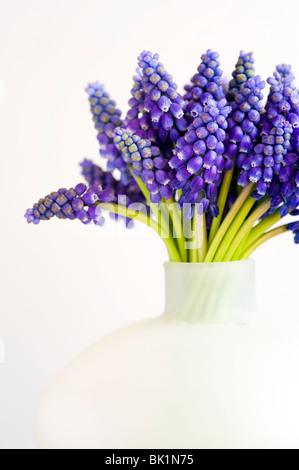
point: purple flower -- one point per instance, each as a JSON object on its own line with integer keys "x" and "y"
{"x": 198, "y": 160}
{"x": 243, "y": 71}
{"x": 243, "y": 121}
{"x": 159, "y": 99}
{"x": 283, "y": 97}
{"x": 106, "y": 117}
{"x": 283, "y": 100}
{"x": 76, "y": 203}
{"x": 208, "y": 79}
{"x": 270, "y": 157}
{"x": 137, "y": 120}
{"x": 147, "y": 163}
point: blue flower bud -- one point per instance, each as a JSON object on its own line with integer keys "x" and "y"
{"x": 210, "y": 174}
{"x": 286, "y": 174}
{"x": 245, "y": 144}
{"x": 236, "y": 134}
{"x": 287, "y": 190}
{"x": 243, "y": 179}
{"x": 255, "y": 174}
{"x": 202, "y": 206}
{"x": 290, "y": 159}
{"x": 197, "y": 184}
{"x": 194, "y": 164}
{"x": 262, "y": 187}
{"x": 284, "y": 210}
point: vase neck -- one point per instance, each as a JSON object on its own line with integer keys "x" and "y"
{"x": 210, "y": 292}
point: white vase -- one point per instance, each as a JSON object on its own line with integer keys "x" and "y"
{"x": 208, "y": 373}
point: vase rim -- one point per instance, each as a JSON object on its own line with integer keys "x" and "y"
{"x": 225, "y": 264}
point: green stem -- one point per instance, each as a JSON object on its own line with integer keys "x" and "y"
{"x": 193, "y": 253}
{"x": 178, "y": 230}
{"x": 227, "y": 222}
{"x": 221, "y": 203}
{"x": 249, "y": 223}
{"x": 159, "y": 212}
{"x": 262, "y": 227}
{"x": 259, "y": 241}
{"x": 233, "y": 229}
{"x": 145, "y": 219}
{"x": 155, "y": 209}
{"x": 240, "y": 249}
{"x": 201, "y": 235}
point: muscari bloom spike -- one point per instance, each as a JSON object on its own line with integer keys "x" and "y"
{"x": 271, "y": 166}
{"x": 284, "y": 99}
{"x": 283, "y": 96}
{"x": 106, "y": 117}
{"x": 147, "y": 163}
{"x": 74, "y": 203}
{"x": 208, "y": 79}
{"x": 163, "y": 107}
{"x": 198, "y": 160}
{"x": 243, "y": 71}
{"x": 136, "y": 108}
{"x": 243, "y": 123}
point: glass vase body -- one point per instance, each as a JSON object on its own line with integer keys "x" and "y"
{"x": 208, "y": 373}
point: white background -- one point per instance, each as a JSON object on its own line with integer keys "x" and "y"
{"x": 64, "y": 285}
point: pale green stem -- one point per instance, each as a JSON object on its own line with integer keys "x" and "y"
{"x": 227, "y": 222}
{"x": 259, "y": 241}
{"x": 221, "y": 203}
{"x": 159, "y": 212}
{"x": 247, "y": 226}
{"x": 233, "y": 229}
{"x": 156, "y": 211}
{"x": 193, "y": 252}
{"x": 262, "y": 227}
{"x": 179, "y": 237}
{"x": 145, "y": 219}
{"x": 240, "y": 249}
{"x": 201, "y": 235}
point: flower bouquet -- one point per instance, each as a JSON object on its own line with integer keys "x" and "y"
{"x": 212, "y": 171}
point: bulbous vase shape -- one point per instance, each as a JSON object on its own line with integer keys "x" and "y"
{"x": 210, "y": 373}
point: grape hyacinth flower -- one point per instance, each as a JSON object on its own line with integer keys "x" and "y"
{"x": 243, "y": 71}
{"x": 269, "y": 157}
{"x": 147, "y": 163}
{"x": 198, "y": 159}
{"x": 284, "y": 99}
{"x": 75, "y": 203}
{"x": 243, "y": 123}
{"x": 208, "y": 79}
{"x": 106, "y": 117}
{"x": 163, "y": 106}
{"x": 133, "y": 120}
{"x": 283, "y": 96}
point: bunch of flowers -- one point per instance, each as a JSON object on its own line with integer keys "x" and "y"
{"x": 216, "y": 166}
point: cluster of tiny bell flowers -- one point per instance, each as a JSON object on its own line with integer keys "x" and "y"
{"x": 79, "y": 203}
{"x": 181, "y": 145}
